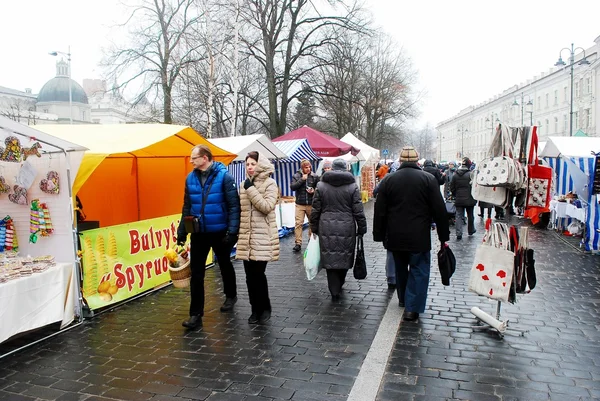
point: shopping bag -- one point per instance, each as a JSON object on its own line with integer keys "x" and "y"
{"x": 495, "y": 195}
{"x": 493, "y": 266}
{"x": 360, "y": 264}
{"x": 446, "y": 263}
{"x": 450, "y": 207}
{"x": 312, "y": 257}
{"x": 539, "y": 178}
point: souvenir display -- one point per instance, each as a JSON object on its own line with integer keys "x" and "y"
{"x": 12, "y": 152}
{"x": 4, "y": 187}
{"x": 19, "y": 196}
{"x": 8, "y": 235}
{"x": 50, "y": 184}
{"x": 34, "y": 150}
{"x": 12, "y": 268}
{"x": 39, "y": 222}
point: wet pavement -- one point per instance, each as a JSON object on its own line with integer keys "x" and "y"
{"x": 313, "y": 349}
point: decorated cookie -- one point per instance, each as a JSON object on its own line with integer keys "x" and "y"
{"x": 50, "y": 185}
{"x": 19, "y": 196}
{"x": 34, "y": 150}
{"x": 13, "y": 150}
{"x": 4, "y": 188}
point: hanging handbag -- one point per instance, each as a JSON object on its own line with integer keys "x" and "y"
{"x": 360, "y": 265}
{"x": 492, "y": 271}
{"x": 497, "y": 196}
{"x": 539, "y": 179}
{"x": 499, "y": 170}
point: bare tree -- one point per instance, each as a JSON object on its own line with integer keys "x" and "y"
{"x": 290, "y": 34}
{"x": 159, "y": 48}
{"x": 19, "y": 110}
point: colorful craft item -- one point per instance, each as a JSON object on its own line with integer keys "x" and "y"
{"x": 50, "y": 185}
{"x": 34, "y": 150}
{"x": 4, "y": 188}
{"x": 39, "y": 221}
{"x": 8, "y": 236}
{"x": 12, "y": 152}
{"x": 19, "y": 196}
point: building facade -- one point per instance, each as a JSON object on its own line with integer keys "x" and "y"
{"x": 62, "y": 100}
{"x": 544, "y": 101}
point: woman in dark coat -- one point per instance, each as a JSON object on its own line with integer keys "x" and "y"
{"x": 337, "y": 217}
{"x": 463, "y": 200}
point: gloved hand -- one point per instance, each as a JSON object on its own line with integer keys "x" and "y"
{"x": 230, "y": 239}
{"x": 181, "y": 240}
{"x": 248, "y": 183}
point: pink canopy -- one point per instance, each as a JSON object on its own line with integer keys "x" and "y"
{"x": 322, "y": 144}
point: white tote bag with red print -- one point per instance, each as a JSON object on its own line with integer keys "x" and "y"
{"x": 492, "y": 271}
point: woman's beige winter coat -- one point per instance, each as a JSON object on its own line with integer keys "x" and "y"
{"x": 258, "y": 237}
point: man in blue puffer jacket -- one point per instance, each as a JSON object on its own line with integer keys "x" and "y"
{"x": 212, "y": 197}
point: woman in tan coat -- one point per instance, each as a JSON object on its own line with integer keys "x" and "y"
{"x": 258, "y": 241}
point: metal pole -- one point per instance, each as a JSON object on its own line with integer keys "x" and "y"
{"x": 70, "y": 91}
{"x": 522, "y": 109}
{"x": 572, "y": 60}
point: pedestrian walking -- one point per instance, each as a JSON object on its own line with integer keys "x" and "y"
{"x": 326, "y": 166}
{"x": 448, "y": 174}
{"x": 482, "y": 208}
{"x": 211, "y": 214}
{"x": 337, "y": 217}
{"x": 304, "y": 183}
{"x": 402, "y": 221}
{"x": 463, "y": 200}
{"x": 431, "y": 168}
{"x": 258, "y": 241}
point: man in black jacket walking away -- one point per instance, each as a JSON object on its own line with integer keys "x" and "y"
{"x": 430, "y": 167}
{"x": 463, "y": 200}
{"x": 406, "y": 204}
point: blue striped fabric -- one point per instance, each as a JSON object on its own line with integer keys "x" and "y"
{"x": 564, "y": 184}
{"x": 296, "y": 150}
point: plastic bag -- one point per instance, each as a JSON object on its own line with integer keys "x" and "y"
{"x": 312, "y": 257}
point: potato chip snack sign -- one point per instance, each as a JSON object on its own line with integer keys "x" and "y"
{"x": 122, "y": 261}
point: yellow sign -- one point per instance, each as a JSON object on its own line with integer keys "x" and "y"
{"x": 122, "y": 261}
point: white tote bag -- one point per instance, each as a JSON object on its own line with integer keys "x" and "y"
{"x": 492, "y": 271}
{"x": 312, "y": 257}
{"x": 494, "y": 195}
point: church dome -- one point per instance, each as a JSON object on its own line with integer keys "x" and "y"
{"x": 57, "y": 89}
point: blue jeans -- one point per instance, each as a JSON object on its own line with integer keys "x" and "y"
{"x": 412, "y": 284}
{"x": 390, "y": 268}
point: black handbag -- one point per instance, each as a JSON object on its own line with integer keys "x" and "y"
{"x": 360, "y": 265}
{"x": 446, "y": 263}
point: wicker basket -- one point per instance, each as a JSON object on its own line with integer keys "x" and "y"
{"x": 181, "y": 275}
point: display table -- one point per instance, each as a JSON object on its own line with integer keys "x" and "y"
{"x": 565, "y": 210}
{"x": 35, "y": 301}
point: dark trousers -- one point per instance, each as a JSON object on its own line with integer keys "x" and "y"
{"x": 200, "y": 245}
{"x": 482, "y": 211}
{"x": 460, "y": 213}
{"x": 335, "y": 280}
{"x": 412, "y": 284}
{"x": 258, "y": 288}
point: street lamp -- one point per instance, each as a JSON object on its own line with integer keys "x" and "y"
{"x": 561, "y": 63}
{"x": 68, "y": 54}
{"x": 529, "y": 106}
{"x": 461, "y": 128}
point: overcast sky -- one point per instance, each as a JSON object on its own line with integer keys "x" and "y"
{"x": 465, "y": 51}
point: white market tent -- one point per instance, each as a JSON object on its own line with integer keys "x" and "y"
{"x": 368, "y": 153}
{"x": 574, "y": 166}
{"x": 58, "y": 299}
{"x": 241, "y": 145}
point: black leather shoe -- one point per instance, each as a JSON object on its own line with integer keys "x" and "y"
{"x": 410, "y": 316}
{"x": 335, "y": 298}
{"x": 264, "y": 317}
{"x": 391, "y": 286}
{"x": 228, "y": 304}
{"x": 253, "y": 319}
{"x": 473, "y": 232}
{"x": 193, "y": 322}
{"x": 297, "y": 248}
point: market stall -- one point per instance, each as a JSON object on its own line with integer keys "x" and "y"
{"x": 39, "y": 275}
{"x": 322, "y": 144}
{"x": 574, "y": 167}
{"x": 131, "y": 182}
{"x": 366, "y": 171}
{"x": 241, "y": 145}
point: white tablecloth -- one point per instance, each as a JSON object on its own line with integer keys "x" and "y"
{"x": 566, "y": 210}
{"x": 287, "y": 218}
{"x": 35, "y": 301}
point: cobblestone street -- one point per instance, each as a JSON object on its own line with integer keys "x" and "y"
{"x": 313, "y": 349}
